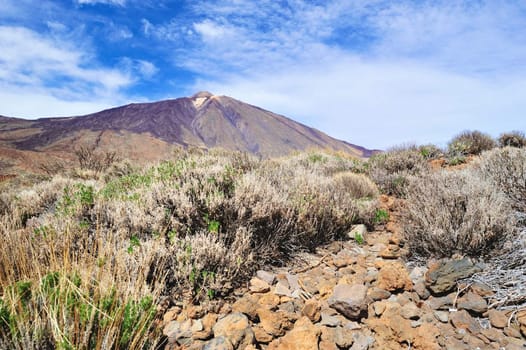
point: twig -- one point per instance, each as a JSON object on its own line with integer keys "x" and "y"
{"x": 312, "y": 266}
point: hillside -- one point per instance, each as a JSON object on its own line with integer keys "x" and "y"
{"x": 149, "y": 131}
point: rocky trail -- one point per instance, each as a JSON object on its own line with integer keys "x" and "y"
{"x": 358, "y": 296}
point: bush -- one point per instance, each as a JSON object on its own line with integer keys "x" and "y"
{"x": 455, "y": 212}
{"x": 430, "y": 152}
{"x": 89, "y": 159}
{"x": 391, "y": 170}
{"x": 470, "y": 143}
{"x": 505, "y": 170}
{"x": 512, "y": 139}
{"x": 193, "y": 227}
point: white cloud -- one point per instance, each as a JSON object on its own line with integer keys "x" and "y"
{"x": 35, "y": 103}
{"x": 29, "y": 56}
{"x": 56, "y": 73}
{"x": 374, "y": 73}
{"x": 107, "y": 2}
{"x": 147, "y": 26}
{"x": 138, "y": 68}
{"x": 211, "y": 31}
{"x": 147, "y": 69}
{"x": 56, "y": 26}
{"x": 378, "y": 104}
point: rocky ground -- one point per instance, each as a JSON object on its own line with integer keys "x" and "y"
{"x": 354, "y": 296}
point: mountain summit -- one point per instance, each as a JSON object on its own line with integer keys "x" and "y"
{"x": 147, "y": 130}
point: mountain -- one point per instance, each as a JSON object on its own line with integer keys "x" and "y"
{"x": 150, "y": 131}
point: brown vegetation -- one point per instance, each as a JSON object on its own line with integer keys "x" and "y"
{"x": 84, "y": 261}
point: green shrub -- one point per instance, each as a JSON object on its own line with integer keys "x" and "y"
{"x": 470, "y": 143}
{"x": 430, "y": 151}
{"x": 512, "y": 139}
{"x": 391, "y": 170}
{"x": 381, "y": 216}
{"x": 450, "y": 212}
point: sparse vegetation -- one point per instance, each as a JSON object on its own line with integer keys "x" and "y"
{"x": 391, "y": 170}
{"x": 88, "y": 254}
{"x": 512, "y": 139}
{"x": 505, "y": 170}
{"x": 90, "y": 159}
{"x": 455, "y": 212}
{"x": 470, "y": 143}
{"x": 85, "y": 261}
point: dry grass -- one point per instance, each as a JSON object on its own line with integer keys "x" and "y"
{"x": 86, "y": 258}
{"x": 455, "y": 212}
{"x": 512, "y": 139}
{"x": 505, "y": 169}
{"x": 392, "y": 170}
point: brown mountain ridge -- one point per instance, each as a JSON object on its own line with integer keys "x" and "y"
{"x": 150, "y": 131}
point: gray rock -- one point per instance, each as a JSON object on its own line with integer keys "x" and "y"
{"x": 293, "y": 282}
{"x": 329, "y": 320}
{"x": 473, "y": 302}
{"x": 362, "y": 342}
{"x": 440, "y": 303}
{"x": 442, "y": 277}
{"x": 175, "y": 331}
{"x": 343, "y": 337}
{"x": 351, "y": 325}
{"x": 197, "y": 326}
{"x": 376, "y": 293}
{"x": 350, "y": 300}
{"x": 282, "y": 289}
{"x": 236, "y": 328}
{"x": 442, "y": 316}
{"x": 410, "y": 311}
{"x": 219, "y": 343}
{"x": 418, "y": 273}
{"x": 266, "y": 276}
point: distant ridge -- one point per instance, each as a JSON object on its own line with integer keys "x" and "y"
{"x": 144, "y": 131}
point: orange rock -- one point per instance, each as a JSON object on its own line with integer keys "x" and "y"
{"x": 269, "y": 301}
{"x": 393, "y": 276}
{"x": 274, "y": 323}
{"x": 304, "y": 336}
{"x": 498, "y": 319}
{"x": 312, "y": 310}
{"x": 261, "y": 335}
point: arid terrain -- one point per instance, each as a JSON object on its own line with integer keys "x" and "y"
{"x": 131, "y": 229}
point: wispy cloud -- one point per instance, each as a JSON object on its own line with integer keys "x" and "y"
{"x": 401, "y": 71}
{"x": 34, "y": 62}
{"x": 107, "y": 2}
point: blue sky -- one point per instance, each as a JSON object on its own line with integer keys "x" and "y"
{"x": 375, "y": 73}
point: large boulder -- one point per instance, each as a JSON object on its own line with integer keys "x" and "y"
{"x": 349, "y": 300}
{"x": 442, "y": 277}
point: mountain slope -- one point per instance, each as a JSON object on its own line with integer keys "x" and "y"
{"x": 146, "y": 131}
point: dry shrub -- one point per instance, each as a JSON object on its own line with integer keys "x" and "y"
{"x": 505, "y": 170}
{"x": 357, "y": 185}
{"x": 430, "y": 151}
{"x": 194, "y": 227}
{"x": 470, "y": 143}
{"x": 391, "y": 170}
{"x": 512, "y": 139}
{"x": 455, "y": 212}
{"x": 89, "y": 159}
